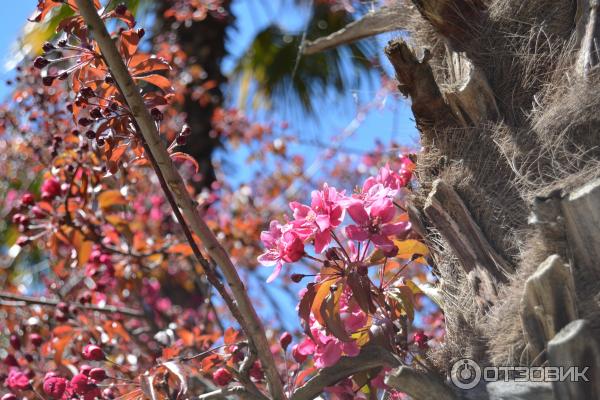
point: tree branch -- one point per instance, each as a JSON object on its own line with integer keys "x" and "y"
{"x": 370, "y": 357}
{"x": 53, "y": 303}
{"x": 419, "y": 385}
{"x": 383, "y": 20}
{"x": 221, "y": 394}
{"x": 176, "y": 191}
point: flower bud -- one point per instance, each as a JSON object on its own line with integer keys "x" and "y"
{"x": 35, "y": 339}
{"x": 98, "y": 374}
{"x": 285, "y": 339}
{"x": 93, "y": 353}
{"x": 222, "y": 376}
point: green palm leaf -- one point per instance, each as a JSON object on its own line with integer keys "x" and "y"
{"x": 271, "y": 67}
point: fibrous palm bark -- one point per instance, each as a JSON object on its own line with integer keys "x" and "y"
{"x": 505, "y": 97}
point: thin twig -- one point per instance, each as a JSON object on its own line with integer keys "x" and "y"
{"x": 20, "y": 300}
{"x": 239, "y": 391}
{"x": 179, "y": 198}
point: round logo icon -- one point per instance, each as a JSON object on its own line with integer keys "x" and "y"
{"x": 465, "y": 374}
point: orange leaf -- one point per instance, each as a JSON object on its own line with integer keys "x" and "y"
{"x": 118, "y": 152}
{"x": 323, "y": 291}
{"x": 231, "y": 336}
{"x": 129, "y": 41}
{"x": 181, "y": 248}
{"x": 409, "y": 248}
{"x": 111, "y": 198}
{"x": 84, "y": 251}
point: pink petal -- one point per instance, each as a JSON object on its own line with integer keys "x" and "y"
{"x": 384, "y": 209}
{"x": 322, "y": 221}
{"x": 268, "y": 258}
{"x": 369, "y": 183}
{"x": 358, "y": 213}
{"x": 398, "y": 228}
{"x": 356, "y": 233}
{"x": 383, "y": 242}
{"x": 307, "y": 347}
{"x": 322, "y": 240}
{"x": 275, "y": 273}
{"x": 329, "y": 354}
{"x": 336, "y": 216}
{"x": 351, "y": 349}
{"x": 300, "y": 210}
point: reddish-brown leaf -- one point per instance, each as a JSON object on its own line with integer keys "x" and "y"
{"x": 330, "y": 311}
{"x": 179, "y": 156}
{"x": 144, "y": 64}
{"x": 128, "y": 43}
{"x": 157, "y": 80}
{"x": 111, "y": 198}
{"x": 305, "y": 306}
{"x": 361, "y": 291}
{"x": 323, "y": 290}
{"x": 232, "y": 336}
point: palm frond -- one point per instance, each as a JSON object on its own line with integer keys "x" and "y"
{"x": 272, "y": 67}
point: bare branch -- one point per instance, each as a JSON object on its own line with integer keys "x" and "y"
{"x": 176, "y": 191}
{"x": 238, "y": 391}
{"x": 20, "y": 300}
{"x": 419, "y": 385}
{"x": 370, "y": 357}
{"x": 383, "y": 20}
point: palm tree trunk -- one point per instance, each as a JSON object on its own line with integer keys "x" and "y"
{"x": 203, "y": 41}
{"x": 509, "y": 189}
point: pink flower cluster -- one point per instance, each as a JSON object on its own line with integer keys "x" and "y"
{"x": 327, "y": 349}
{"x": 372, "y": 210}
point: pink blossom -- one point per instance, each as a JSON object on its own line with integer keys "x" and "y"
{"x": 370, "y": 195}
{"x": 283, "y": 246}
{"x": 17, "y": 380}
{"x": 352, "y": 316}
{"x": 327, "y": 349}
{"x": 325, "y": 213}
{"x": 386, "y": 177}
{"x": 374, "y": 223}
